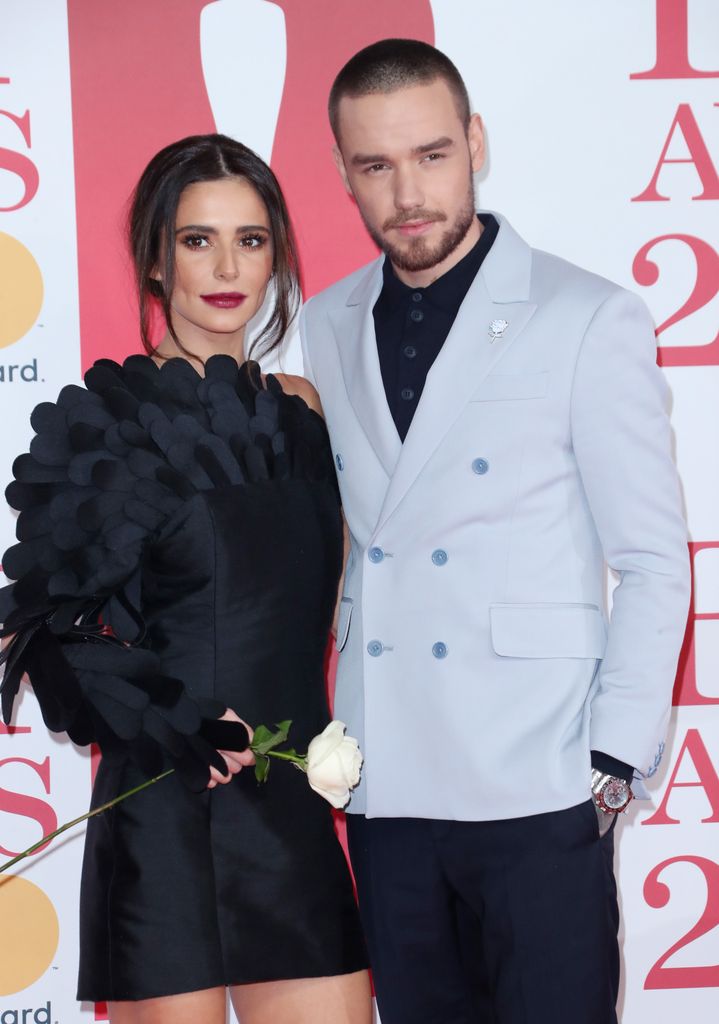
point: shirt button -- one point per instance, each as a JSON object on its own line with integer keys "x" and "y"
{"x": 407, "y": 394}
{"x": 440, "y": 556}
{"x": 439, "y": 650}
{"x": 416, "y": 296}
{"x": 339, "y": 461}
{"x": 375, "y": 648}
{"x": 375, "y": 555}
{"x": 416, "y": 315}
{"x": 410, "y": 351}
{"x": 480, "y": 466}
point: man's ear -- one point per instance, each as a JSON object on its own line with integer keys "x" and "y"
{"x": 340, "y": 165}
{"x": 475, "y": 139}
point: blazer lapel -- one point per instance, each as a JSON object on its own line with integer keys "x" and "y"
{"x": 500, "y": 291}
{"x": 353, "y": 325}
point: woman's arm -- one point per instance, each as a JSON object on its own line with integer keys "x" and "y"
{"x": 293, "y": 385}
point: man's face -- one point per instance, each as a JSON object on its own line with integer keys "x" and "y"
{"x": 408, "y": 162}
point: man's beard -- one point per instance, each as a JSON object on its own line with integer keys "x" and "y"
{"x": 418, "y": 255}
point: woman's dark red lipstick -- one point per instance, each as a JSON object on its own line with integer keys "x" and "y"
{"x": 224, "y": 300}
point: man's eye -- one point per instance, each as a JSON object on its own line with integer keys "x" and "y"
{"x": 374, "y": 168}
{"x": 434, "y": 156}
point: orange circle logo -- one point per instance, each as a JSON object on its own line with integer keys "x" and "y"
{"x": 21, "y": 290}
{"x": 29, "y": 934}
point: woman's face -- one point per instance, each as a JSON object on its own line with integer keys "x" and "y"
{"x": 223, "y": 261}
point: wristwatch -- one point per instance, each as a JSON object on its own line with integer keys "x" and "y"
{"x": 611, "y": 794}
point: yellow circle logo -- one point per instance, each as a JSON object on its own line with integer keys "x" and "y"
{"x": 21, "y": 290}
{"x": 29, "y": 934}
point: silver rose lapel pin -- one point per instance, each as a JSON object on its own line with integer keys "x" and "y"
{"x": 497, "y": 329}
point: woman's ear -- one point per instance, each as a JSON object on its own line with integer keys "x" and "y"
{"x": 154, "y": 285}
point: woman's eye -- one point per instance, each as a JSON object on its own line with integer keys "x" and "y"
{"x": 195, "y": 241}
{"x": 253, "y": 241}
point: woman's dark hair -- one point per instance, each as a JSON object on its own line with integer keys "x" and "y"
{"x": 153, "y": 213}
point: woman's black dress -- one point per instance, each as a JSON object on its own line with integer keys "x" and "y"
{"x": 180, "y": 547}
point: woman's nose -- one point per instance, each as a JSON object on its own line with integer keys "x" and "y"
{"x": 227, "y": 265}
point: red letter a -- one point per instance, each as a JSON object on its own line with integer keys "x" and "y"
{"x": 698, "y": 155}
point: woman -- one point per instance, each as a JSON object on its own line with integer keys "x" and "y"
{"x": 180, "y": 548}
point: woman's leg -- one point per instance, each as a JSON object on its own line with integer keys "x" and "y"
{"x": 341, "y": 999}
{"x": 208, "y": 1006}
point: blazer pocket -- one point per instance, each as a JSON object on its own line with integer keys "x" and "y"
{"x": 343, "y": 622}
{"x": 503, "y": 387}
{"x": 547, "y": 630}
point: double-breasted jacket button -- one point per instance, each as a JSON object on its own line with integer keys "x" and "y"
{"x": 440, "y": 556}
{"x": 339, "y": 462}
{"x": 375, "y": 648}
{"x": 375, "y": 555}
{"x": 417, "y": 315}
{"x": 480, "y": 466}
{"x": 410, "y": 351}
{"x": 439, "y": 650}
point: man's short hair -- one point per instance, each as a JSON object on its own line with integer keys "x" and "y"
{"x": 393, "y": 64}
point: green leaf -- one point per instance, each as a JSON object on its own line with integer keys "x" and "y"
{"x": 265, "y": 740}
{"x": 262, "y": 767}
{"x": 283, "y": 729}
{"x": 262, "y": 735}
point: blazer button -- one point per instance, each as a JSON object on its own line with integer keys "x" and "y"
{"x": 375, "y": 555}
{"x": 375, "y": 648}
{"x": 439, "y": 650}
{"x": 339, "y": 462}
{"x": 439, "y": 557}
{"x": 480, "y": 466}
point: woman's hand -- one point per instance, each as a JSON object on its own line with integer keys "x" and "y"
{"x": 235, "y": 760}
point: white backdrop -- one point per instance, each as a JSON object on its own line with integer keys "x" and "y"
{"x": 573, "y": 141}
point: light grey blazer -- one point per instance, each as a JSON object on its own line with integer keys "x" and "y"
{"x": 477, "y": 665}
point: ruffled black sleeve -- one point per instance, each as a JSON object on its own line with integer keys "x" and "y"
{"x": 108, "y": 467}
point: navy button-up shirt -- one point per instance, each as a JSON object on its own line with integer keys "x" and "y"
{"x": 411, "y": 325}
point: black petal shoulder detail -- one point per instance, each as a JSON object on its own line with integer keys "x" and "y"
{"x": 109, "y": 465}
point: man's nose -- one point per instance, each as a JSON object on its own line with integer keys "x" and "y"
{"x": 408, "y": 192}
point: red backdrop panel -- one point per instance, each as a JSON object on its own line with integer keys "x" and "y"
{"x": 137, "y": 85}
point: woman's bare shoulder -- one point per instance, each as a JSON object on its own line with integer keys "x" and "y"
{"x": 293, "y": 385}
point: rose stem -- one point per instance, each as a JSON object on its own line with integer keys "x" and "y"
{"x": 83, "y": 817}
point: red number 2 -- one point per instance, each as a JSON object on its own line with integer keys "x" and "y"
{"x": 657, "y": 895}
{"x": 706, "y": 286}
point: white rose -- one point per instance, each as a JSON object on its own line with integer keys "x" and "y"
{"x": 333, "y": 764}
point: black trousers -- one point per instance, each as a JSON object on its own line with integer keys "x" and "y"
{"x": 494, "y": 922}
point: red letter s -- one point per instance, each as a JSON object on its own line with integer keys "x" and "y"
{"x": 19, "y": 164}
{"x": 29, "y": 806}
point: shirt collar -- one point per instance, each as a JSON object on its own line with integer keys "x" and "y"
{"x": 448, "y": 291}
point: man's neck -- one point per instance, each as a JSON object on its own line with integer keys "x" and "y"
{"x": 423, "y": 278}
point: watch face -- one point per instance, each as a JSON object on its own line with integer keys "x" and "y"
{"x": 616, "y": 794}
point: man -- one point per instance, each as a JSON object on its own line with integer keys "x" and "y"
{"x": 499, "y": 428}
